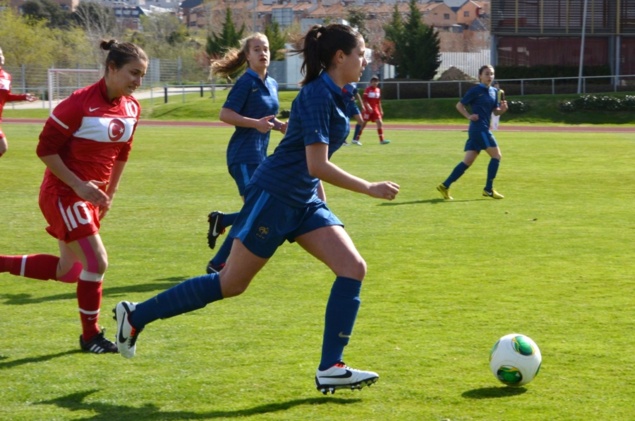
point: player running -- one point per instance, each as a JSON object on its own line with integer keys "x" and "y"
{"x": 85, "y": 144}
{"x": 285, "y": 200}
{"x": 483, "y": 101}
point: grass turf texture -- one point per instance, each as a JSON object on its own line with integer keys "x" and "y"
{"x": 446, "y": 279}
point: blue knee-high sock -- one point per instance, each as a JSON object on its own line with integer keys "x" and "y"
{"x": 187, "y": 296}
{"x": 456, "y": 174}
{"x": 492, "y": 169}
{"x": 229, "y": 218}
{"x": 358, "y": 128}
{"x": 341, "y": 312}
{"x": 223, "y": 252}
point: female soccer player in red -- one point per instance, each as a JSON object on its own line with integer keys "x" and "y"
{"x": 85, "y": 144}
{"x": 7, "y": 96}
{"x": 372, "y": 111}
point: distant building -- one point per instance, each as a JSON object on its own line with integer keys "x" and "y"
{"x": 533, "y": 33}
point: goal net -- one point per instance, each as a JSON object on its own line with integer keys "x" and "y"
{"x": 63, "y": 82}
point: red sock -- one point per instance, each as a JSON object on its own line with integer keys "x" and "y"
{"x": 36, "y": 266}
{"x": 89, "y": 298}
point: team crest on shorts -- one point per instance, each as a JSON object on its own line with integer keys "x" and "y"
{"x": 262, "y": 232}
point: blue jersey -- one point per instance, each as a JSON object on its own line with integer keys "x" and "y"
{"x": 318, "y": 114}
{"x": 350, "y": 93}
{"x": 482, "y": 101}
{"x": 251, "y": 97}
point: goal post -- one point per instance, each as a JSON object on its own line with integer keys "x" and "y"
{"x": 63, "y": 82}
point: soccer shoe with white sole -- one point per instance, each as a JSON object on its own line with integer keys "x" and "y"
{"x": 357, "y": 142}
{"x": 493, "y": 194}
{"x": 216, "y": 228}
{"x": 340, "y": 376}
{"x": 445, "y": 192}
{"x": 98, "y": 345}
{"x": 126, "y": 333}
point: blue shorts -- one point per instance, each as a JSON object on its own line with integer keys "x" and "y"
{"x": 264, "y": 222}
{"x": 241, "y": 173}
{"x": 477, "y": 141}
{"x": 352, "y": 109}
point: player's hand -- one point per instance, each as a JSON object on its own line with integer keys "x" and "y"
{"x": 30, "y": 97}
{"x": 283, "y": 127}
{"x": 503, "y": 107}
{"x": 473, "y": 117}
{"x": 91, "y": 192}
{"x": 384, "y": 190}
{"x": 265, "y": 124}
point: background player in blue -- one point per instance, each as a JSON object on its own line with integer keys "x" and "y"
{"x": 251, "y": 106}
{"x": 351, "y": 93}
{"x": 285, "y": 200}
{"x": 483, "y": 101}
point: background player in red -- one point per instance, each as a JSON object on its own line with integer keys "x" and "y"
{"x": 372, "y": 111}
{"x": 85, "y": 144}
{"x": 7, "y": 96}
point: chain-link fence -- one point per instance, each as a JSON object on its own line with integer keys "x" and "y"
{"x": 34, "y": 79}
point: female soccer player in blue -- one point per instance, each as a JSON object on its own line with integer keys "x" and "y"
{"x": 352, "y": 110}
{"x": 285, "y": 200}
{"x": 483, "y": 101}
{"x": 251, "y": 106}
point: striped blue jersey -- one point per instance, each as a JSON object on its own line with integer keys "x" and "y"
{"x": 318, "y": 114}
{"x": 251, "y": 97}
{"x": 482, "y": 101}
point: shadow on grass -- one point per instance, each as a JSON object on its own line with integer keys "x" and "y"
{"x": 107, "y": 411}
{"x": 157, "y": 285}
{"x": 11, "y": 364}
{"x": 494, "y": 392}
{"x": 429, "y": 201}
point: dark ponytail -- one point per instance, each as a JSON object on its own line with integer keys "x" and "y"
{"x": 320, "y": 45}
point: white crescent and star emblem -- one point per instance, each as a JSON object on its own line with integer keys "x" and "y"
{"x": 116, "y": 129}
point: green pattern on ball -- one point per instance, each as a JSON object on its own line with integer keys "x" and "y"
{"x": 523, "y": 346}
{"x": 509, "y": 375}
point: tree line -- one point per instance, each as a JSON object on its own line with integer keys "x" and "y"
{"x": 44, "y": 34}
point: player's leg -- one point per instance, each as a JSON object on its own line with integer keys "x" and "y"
{"x": 358, "y": 134}
{"x": 242, "y": 174}
{"x": 457, "y": 172}
{"x": 195, "y": 293}
{"x": 332, "y": 245}
{"x": 66, "y": 267}
{"x": 492, "y": 169}
{"x": 92, "y": 255}
{"x": 358, "y": 126}
{"x": 380, "y": 132}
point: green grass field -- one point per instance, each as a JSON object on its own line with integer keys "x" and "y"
{"x": 553, "y": 260}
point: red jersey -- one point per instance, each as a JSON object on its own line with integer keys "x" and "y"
{"x": 372, "y": 97}
{"x": 89, "y": 132}
{"x": 5, "y": 91}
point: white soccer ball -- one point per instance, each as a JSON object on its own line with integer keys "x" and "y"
{"x": 515, "y": 359}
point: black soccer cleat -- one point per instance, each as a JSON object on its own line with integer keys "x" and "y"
{"x": 216, "y": 227}
{"x": 98, "y": 345}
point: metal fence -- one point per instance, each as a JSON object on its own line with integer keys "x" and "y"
{"x": 408, "y": 89}
{"x": 33, "y": 78}
{"x": 170, "y": 78}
